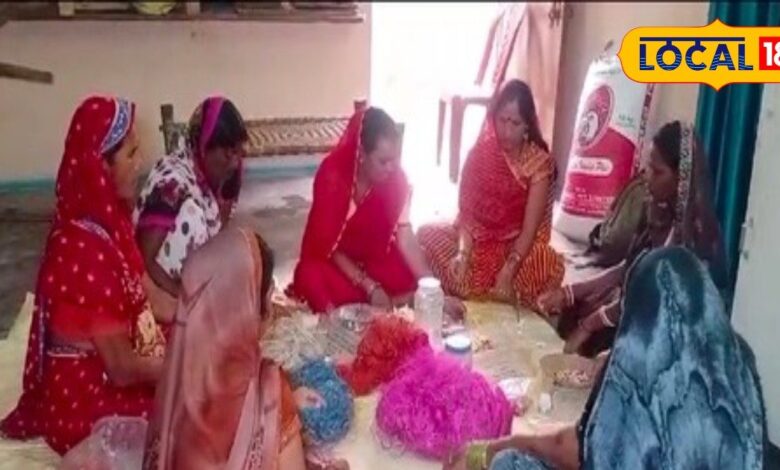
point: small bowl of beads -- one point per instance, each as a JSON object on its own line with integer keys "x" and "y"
{"x": 355, "y": 317}
{"x": 568, "y": 370}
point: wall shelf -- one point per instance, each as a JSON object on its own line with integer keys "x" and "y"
{"x": 279, "y": 15}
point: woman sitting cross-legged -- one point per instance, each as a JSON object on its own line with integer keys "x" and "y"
{"x": 358, "y": 246}
{"x": 679, "y": 389}
{"x": 499, "y": 247}
{"x": 94, "y": 348}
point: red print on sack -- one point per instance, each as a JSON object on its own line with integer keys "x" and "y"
{"x": 595, "y": 120}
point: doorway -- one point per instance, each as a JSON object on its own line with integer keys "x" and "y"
{"x": 419, "y": 50}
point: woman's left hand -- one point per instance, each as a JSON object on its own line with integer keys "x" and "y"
{"x": 503, "y": 288}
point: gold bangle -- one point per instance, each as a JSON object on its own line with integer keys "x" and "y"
{"x": 569, "y": 293}
{"x": 605, "y": 318}
{"x": 476, "y": 457}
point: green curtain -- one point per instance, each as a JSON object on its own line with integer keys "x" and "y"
{"x": 727, "y": 123}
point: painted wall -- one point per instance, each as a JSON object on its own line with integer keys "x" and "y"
{"x": 268, "y": 69}
{"x": 756, "y": 297}
{"x": 585, "y": 34}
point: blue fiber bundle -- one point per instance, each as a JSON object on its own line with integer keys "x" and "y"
{"x": 330, "y": 422}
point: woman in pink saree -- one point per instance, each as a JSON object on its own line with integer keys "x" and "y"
{"x": 220, "y": 405}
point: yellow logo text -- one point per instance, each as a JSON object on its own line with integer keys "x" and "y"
{"x": 716, "y": 54}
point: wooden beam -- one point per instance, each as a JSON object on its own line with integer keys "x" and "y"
{"x": 25, "y": 73}
{"x": 4, "y": 13}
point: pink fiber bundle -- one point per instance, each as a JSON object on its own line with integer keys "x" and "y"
{"x": 435, "y": 406}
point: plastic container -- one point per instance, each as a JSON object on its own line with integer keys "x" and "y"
{"x": 429, "y": 308}
{"x": 458, "y": 346}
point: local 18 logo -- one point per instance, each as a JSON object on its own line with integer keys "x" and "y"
{"x": 716, "y": 54}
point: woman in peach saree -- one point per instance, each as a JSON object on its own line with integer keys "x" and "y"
{"x": 220, "y": 405}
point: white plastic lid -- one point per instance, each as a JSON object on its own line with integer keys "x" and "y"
{"x": 458, "y": 342}
{"x": 429, "y": 283}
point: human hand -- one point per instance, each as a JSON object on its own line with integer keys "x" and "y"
{"x": 458, "y": 266}
{"x": 552, "y": 302}
{"x": 379, "y": 298}
{"x": 503, "y": 288}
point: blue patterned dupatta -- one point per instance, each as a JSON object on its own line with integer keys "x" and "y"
{"x": 679, "y": 390}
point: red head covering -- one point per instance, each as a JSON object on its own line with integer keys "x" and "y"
{"x": 376, "y": 217}
{"x": 89, "y": 283}
{"x": 202, "y": 124}
{"x": 494, "y": 190}
{"x": 85, "y": 189}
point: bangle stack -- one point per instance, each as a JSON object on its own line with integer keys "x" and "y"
{"x": 361, "y": 282}
{"x": 568, "y": 292}
{"x": 605, "y": 318}
{"x": 476, "y": 457}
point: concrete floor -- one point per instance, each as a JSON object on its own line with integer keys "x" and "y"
{"x": 24, "y": 225}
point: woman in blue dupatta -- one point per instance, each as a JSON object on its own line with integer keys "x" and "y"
{"x": 678, "y": 391}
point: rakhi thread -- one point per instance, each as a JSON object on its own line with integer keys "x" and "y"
{"x": 434, "y": 406}
{"x": 388, "y": 342}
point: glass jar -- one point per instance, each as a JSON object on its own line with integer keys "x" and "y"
{"x": 429, "y": 309}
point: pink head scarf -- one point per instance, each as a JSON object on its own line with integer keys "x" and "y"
{"x": 201, "y": 128}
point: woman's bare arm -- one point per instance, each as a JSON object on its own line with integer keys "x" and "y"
{"x": 350, "y": 269}
{"x": 411, "y": 251}
{"x": 149, "y": 241}
{"x": 465, "y": 241}
{"x": 601, "y": 283}
{"x": 534, "y": 213}
{"x": 163, "y": 304}
{"x": 123, "y": 366}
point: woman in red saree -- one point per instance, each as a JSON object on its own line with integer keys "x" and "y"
{"x": 498, "y": 247}
{"x": 94, "y": 349}
{"x": 358, "y": 246}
